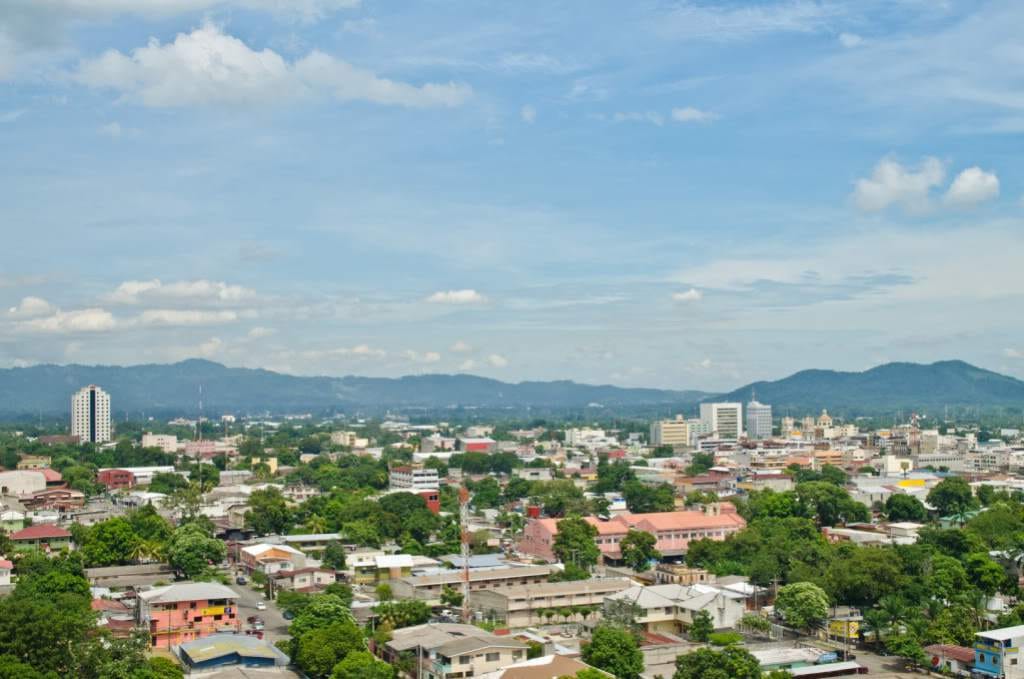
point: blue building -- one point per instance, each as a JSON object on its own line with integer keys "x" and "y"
{"x": 997, "y": 652}
{"x": 218, "y": 650}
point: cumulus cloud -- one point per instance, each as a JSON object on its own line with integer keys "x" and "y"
{"x": 1013, "y": 353}
{"x": 135, "y": 292}
{"x": 210, "y": 347}
{"x": 81, "y": 320}
{"x": 497, "y": 361}
{"x": 186, "y": 317}
{"x": 971, "y": 187}
{"x": 421, "y": 357}
{"x": 850, "y": 40}
{"x": 466, "y": 296}
{"x": 468, "y": 364}
{"x": 260, "y": 332}
{"x": 689, "y": 114}
{"x": 652, "y": 117}
{"x": 461, "y": 347}
{"x": 892, "y": 183}
{"x": 30, "y": 307}
{"x": 691, "y": 295}
{"x": 528, "y": 114}
{"x": 115, "y": 130}
{"x": 209, "y": 67}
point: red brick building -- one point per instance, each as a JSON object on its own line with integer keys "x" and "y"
{"x": 116, "y": 479}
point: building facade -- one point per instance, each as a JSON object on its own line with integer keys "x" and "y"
{"x": 724, "y": 420}
{"x": 409, "y": 477}
{"x": 671, "y": 432}
{"x": 90, "y": 415}
{"x": 179, "y": 613}
{"x": 759, "y": 420}
{"x": 527, "y": 605}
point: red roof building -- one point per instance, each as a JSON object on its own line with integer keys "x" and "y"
{"x": 41, "y": 536}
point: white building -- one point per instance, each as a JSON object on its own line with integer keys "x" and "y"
{"x": 724, "y": 420}
{"x": 90, "y": 415}
{"x": 413, "y": 478}
{"x": 759, "y": 420}
{"x": 670, "y": 432}
{"x": 165, "y": 442}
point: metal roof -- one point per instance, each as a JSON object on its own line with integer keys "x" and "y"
{"x": 188, "y": 591}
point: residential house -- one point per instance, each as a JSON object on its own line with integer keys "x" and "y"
{"x": 383, "y": 568}
{"x": 186, "y": 611}
{"x": 43, "y": 537}
{"x": 115, "y": 479}
{"x": 997, "y": 652}
{"x": 673, "y": 530}
{"x": 545, "y": 667}
{"x": 671, "y": 608}
{"x": 33, "y": 462}
{"x": 217, "y": 651}
{"x": 271, "y": 559}
{"x": 527, "y": 605}
{"x": 309, "y": 579}
{"x": 453, "y": 651}
{"x": 948, "y": 659}
{"x": 5, "y": 572}
{"x": 429, "y": 587}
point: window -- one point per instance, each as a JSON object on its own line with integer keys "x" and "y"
{"x": 463, "y": 659}
{"x": 493, "y": 657}
{"x": 995, "y": 659}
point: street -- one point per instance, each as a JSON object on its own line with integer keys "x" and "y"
{"x": 276, "y": 626}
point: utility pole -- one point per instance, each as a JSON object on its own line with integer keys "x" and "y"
{"x": 464, "y": 532}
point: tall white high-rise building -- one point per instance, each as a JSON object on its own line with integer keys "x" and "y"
{"x": 759, "y": 420}
{"x": 724, "y": 420}
{"x": 90, "y": 415}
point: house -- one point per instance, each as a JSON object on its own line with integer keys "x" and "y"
{"x": 62, "y": 499}
{"x": 671, "y": 608}
{"x": 310, "y": 579}
{"x": 476, "y": 445}
{"x": 545, "y": 667}
{"x": 429, "y": 587}
{"x": 452, "y": 651}
{"x": 219, "y": 650}
{"x": 33, "y": 462}
{"x": 270, "y": 559}
{"x": 22, "y": 483}
{"x": 42, "y": 537}
{"x": 115, "y": 479}
{"x": 142, "y": 475}
{"x": 5, "y": 572}
{"x": 182, "y": 612}
{"x": 383, "y": 568}
{"x": 679, "y": 574}
{"x": 673, "y": 530}
{"x": 997, "y": 652}
{"x": 526, "y": 605}
{"x": 945, "y": 658}
{"x": 12, "y": 518}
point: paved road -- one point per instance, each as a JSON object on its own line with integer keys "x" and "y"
{"x": 276, "y": 625}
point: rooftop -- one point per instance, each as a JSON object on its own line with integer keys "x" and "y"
{"x": 40, "y": 532}
{"x": 188, "y": 591}
{"x": 220, "y": 645}
{"x": 1003, "y": 634}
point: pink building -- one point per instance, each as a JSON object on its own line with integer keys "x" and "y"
{"x": 673, "y": 530}
{"x": 178, "y": 613}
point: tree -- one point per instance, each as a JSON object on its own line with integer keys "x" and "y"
{"x": 638, "y": 550}
{"x": 951, "y": 497}
{"x": 167, "y": 483}
{"x": 334, "y": 555}
{"x": 642, "y": 498}
{"x": 613, "y": 649}
{"x": 110, "y": 542}
{"x": 830, "y": 504}
{"x": 702, "y": 626}
{"x": 802, "y": 604}
{"x": 986, "y": 574}
{"x": 206, "y": 475}
{"x": 450, "y": 597}
{"x": 902, "y": 507}
{"x": 12, "y": 668}
{"x": 362, "y": 665}
{"x": 319, "y": 650}
{"x": 700, "y": 463}
{"x": 575, "y": 542}
{"x": 268, "y": 512}
{"x": 732, "y": 662}
{"x": 406, "y": 613}
{"x": 191, "y": 550}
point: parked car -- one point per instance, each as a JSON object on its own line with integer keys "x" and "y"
{"x": 288, "y": 615}
{"x": 261, "y": 605}
{"x": 240, "y": 580}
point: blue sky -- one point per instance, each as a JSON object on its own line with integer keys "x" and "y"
{"x": 675, "y": 194}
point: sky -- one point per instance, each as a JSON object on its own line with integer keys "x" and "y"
{"x": 678, "y": 194}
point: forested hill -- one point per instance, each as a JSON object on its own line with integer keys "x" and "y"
{"x": 157, "y": 389}
{"x": 887, "y": 388}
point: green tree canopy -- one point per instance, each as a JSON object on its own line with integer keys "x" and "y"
{"x": 574, "y": 543}
{"x": 802, "y": 604}
{"x": 614, "y": 649}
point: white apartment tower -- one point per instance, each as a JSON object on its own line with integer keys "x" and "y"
{"x": 90, "y": 415}
{"x": 759, "y": 420}
{"x": 724, "y": 420}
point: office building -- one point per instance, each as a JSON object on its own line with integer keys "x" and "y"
{"x": 670, "y": 432}
{"x": 723, "y": 420}
{"x": 413, "y": 478}
{"x": 90, "y": 415}
{"x": 759, "y": 420}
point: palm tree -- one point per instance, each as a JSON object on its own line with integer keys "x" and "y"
{"x": 316, "y": 524}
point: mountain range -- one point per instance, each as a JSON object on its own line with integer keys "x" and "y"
{"x": 160, "y": 389}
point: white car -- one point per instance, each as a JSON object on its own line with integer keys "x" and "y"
{"x": 261, "y": 605}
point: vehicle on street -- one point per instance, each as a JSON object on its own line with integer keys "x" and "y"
{"x": 261, "y": 605}
{"x": 240, "y": 580}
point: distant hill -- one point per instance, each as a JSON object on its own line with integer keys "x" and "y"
{"x": 887, "y": 388}
{"x": 161, "y": 389}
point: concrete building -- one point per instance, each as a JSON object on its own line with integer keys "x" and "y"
{"x": 217, "y": 651}
{"x": 671, "y": 608}
{"x": 997, "y": 652}
{"x": 42, "y": 537}
{"x": 525, "y": 605}
{"x": 90, "y": 415}
{"x": 180, "y": 613}
{"x": 5, "y": 572}
{"x": 723, "y": 420}
{"x": 453, "y": 651}
{"x": 165, "y": 442}
{"x": 271, "y": 559}
{"x": 545, "y": 667}
{"x": 22, "y": 483}
{"x": 671, "y": 432}
{"x": 141, "y": 476}
{"x": 759, "y": 420}
{"x": 429, "y": 587}
{"x": 414, "y": 478}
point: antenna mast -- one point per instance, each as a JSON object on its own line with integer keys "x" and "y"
{"x": 464, "y": 530}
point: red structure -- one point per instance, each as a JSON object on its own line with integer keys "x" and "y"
{"x": 116, "y": 479}
{"x": 432, "y": 498}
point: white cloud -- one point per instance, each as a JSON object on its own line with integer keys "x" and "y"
{"x": 724, "y": 23}
{"x": 81, "y": 320}
{"x": 1013, "y": 353}
{"x": 209, "y": 67}
{"x": 210, "y": 347}
{"x": 894, "y": 184}
{"x": 466, "y": 296}
{"x": 11, "y": 116}
{"x": 691, "y": 295}
{"x": 849, "y": 40}
{"x": 971, "y": 187}
{"x": 175, "y": 317}
{"x": 528, "y": 114}
{"x": 115, "y": 130}
{"x": 135, "y": 292}
{"x": 468, "y": 364}
{"x": 690, "y": 114}
{"x": 652, "y": 117}
{"x": 421, "y": 357}
{"x": 461, "y": 347}
{"x": 497, "y": 360}
{"x": 364, "y": 26}
{"x": 260, "y": 332}
{"x": 30, "y": 307}
{"x": 705, "y": 364}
